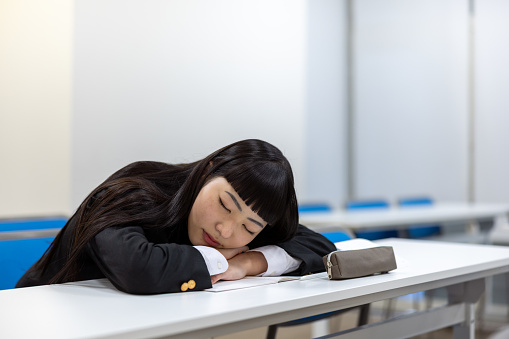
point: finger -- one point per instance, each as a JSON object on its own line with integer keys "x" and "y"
{"x": 239, "y": 250}
{"x": 215, "y": 278}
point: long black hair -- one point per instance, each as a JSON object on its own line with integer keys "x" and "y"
{"x": 159, "y": 196}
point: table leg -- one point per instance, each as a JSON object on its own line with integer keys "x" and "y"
{"x": 473, "y": 227}
{"x": 506, "y": 281}
{"x": 466, "y": 330}
{"x": 403, "y": 233}
{"x": 469, "y": 293}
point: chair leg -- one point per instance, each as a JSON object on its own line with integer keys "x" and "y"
{"x": 416, "y": 298}
{"x": 271, "y": 332}
{"x": 320, "y": 328}
{"x": 506, "y": 277}
{"x": 363, "y": 315}
{"x": 362, "y": 320}
{"x": 390, "y": 304}
{"x": 429, "y": 295}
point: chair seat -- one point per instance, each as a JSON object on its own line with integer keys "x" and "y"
{"x": 421, "y": 231}
{"x": 375, "y": 235}
{"x": 375, "y": 204}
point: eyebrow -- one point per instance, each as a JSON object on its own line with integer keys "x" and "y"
{"x": 240, "y": 209}
{"x": 235, "y": 201}
{"x": 256, "y": 222}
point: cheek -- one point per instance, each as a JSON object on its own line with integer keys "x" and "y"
{"x": 242, "y": 238}
{"x": 195, "y": 223}
{"x": 204, "y": 216}
{"x": 192, "y": 229}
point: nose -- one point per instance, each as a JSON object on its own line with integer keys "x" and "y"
{"x": 225, "y": 228}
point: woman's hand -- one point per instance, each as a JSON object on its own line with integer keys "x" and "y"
{"x": 241, "y": 265}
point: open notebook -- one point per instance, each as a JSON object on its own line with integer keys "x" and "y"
{"x": 247, "y": 282}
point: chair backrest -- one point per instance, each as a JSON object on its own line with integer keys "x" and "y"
{"x": 366, "y": 205}
{"x": 337, "y": 236}
{"x": 421, "y": 231}
{"x": 415, "y": 201}
{"x": 314, "y": 207}
{"x": 17, "y": 256}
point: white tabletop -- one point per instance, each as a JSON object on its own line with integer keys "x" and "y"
{"x": 402, "y": 217}
{"x": 76, "y": 311}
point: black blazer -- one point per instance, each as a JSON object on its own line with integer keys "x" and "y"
{"x": 143, "y": 262}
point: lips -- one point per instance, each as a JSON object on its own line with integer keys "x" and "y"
{"x": 209, "y": 240}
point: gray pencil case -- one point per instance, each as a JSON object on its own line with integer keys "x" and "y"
{"x": 359, "y": 263}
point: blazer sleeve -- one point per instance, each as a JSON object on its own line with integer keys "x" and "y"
{"x": 309, "y": 247}
{"x": 135, "y": 265}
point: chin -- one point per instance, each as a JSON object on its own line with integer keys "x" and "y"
{"x": 193, "y": 241}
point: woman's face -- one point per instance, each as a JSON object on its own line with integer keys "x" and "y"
{"x": 220, "y": 218}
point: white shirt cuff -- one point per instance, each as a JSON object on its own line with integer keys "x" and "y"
{"x": 279, "y": 262}
{"x": 215, "y": 261}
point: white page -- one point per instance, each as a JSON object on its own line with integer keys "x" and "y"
{"x": 225, "y": 285}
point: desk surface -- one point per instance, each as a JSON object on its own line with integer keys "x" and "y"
{"x": 78, "y": 311}
{"x": 402, "y": 217}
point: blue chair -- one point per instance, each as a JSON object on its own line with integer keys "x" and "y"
{"x": 314, "y": 207}
{"x": 16, "y": 256}
{"x": 421, "y": 231}
{"x": 363, "y": 310}
{"x": 365, "y": 205}
{"x": 336, "y": 236}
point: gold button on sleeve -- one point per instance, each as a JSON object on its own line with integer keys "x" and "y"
{"x": 184, "y": 287}
{"x": 191, "y": 284}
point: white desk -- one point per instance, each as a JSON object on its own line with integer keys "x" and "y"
{"x": 73, "y": 311}
{"x": 401, "y": 217}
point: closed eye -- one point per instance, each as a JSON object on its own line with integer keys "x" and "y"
{"x": 221, "y": 202}
{"x": 247, "y": 229}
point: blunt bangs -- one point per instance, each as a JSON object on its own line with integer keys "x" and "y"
{"x": 262, "y": 187}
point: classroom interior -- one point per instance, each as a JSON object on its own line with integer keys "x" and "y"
{"x": 368, "y": 99}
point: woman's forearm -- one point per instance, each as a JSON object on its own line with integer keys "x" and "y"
{"x": 254, "y": 262}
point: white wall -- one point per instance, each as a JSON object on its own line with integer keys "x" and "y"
{"x": 234, "y": 69}
{"x": 410, "y": 98}
{"x": 325, "y": 127}
{"x": 175, "y": 80}
{"x": 35, "y": 99}
{"x": 492, "y": 100}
